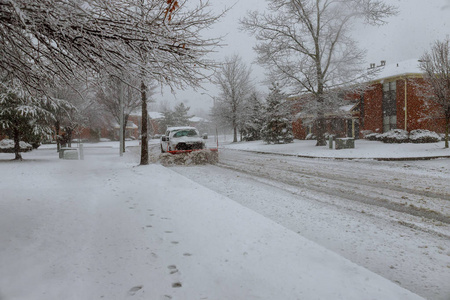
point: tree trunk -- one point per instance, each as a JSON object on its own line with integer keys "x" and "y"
{"x": 320, "y": 101}
{"x": 17, "y": 144}
{"x": 58, "y": 145}
{"x": 69, "y": 131}
{"x": 144, "y": 127}
{"x": 125, "y": 121}
{"x": 234, "y": 124}
{"x": 447, "y": 131}
{"x": 320, "y": 123}
{"x": 320, "y": 126}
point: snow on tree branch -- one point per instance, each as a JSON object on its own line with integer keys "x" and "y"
{"x": 48, "y": 38}
{"x": 306, "y": 45}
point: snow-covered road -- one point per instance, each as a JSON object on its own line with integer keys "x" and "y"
{"x": 106, "y": 228}
{"x": 390, "y": 217}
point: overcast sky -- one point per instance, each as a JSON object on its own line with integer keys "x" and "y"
{"x": 406, "y": 36}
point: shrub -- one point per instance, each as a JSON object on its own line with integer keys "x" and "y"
{"x": 402, "y": 136}
{"x": 424, "y": 136}
{"x": 310, "y": 136}
{"x": 366, "y": 132}
{"x": 373, "y": 137}
{"x": 395, "y": 136}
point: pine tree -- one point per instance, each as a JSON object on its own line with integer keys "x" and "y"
{"x": 253, "y": 119}
{"x": 180, "y": 115}
{"x": 22, "y": 117}
{"x": 177, "y": 117}
{"x": 277, "y": 127}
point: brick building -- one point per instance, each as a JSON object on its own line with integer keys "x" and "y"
{"x": 394, "y": 100}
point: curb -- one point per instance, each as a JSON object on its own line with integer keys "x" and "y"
{"x": 347, "y": 158}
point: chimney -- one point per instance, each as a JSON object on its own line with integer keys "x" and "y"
{"x": 372, "y": 65}
{"x": 383, "y": 63}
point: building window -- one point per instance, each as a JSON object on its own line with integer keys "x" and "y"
{"x": 389, "y": 106}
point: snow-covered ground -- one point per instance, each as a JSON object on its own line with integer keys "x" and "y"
{"x": 390, "y": 217}
{"x": 106, "y": 228}
{"x": 363, "y": 149}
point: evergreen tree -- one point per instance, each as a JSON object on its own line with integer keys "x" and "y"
{"x": 253, "y": 119}
{"x": 177, "y": 117}
{"x": 23, "y": 118}
{"x": 180, "y": 115}
{"x": 277, "y": 127}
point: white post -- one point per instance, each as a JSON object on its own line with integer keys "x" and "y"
{"x": 81, "y": 149}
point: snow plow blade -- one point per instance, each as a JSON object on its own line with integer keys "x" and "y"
{"x": 189, "y": 151}
{"x": 190, "y": 157}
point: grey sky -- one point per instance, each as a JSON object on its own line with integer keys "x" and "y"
{"x": 406, "y": 36}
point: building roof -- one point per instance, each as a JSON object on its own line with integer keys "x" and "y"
{"x": 130, "y": 125}
{"x": 403, "y": 68}
{"x": 152, "y": 114}
{"x": 155, "y": 115}
{"x": 197, "y": 120}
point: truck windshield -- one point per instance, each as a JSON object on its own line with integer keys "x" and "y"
{"x": 181, "y": 133}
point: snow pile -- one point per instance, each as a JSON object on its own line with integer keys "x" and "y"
{"x": 200, "y": 157}
{"x": 7, "y": 145}
{"x": 115, "y": 230}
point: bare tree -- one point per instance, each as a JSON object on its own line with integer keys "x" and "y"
{"x": 436, "y": 65}
{"x": 159, "y": 40}
{"x": 48, "y": 37}
{"x": 307, "y": 45}
{"x": 233, "y": 80}
{"x": 119, "y": 89}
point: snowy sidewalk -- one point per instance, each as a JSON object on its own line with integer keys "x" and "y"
{"x": 105, "y": 228}
{"x": 364, "y": 149}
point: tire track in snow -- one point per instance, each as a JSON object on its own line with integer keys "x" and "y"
{"x": 371, "y": 192}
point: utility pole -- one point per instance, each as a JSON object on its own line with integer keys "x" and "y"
{"x": 121, "y": 120}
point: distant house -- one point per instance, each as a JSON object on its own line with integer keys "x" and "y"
{"x": 342, "y": 123}
{"x": 153, "y": 122}
{"x": 393, "y": 101}
{"x": 131, "y": 130}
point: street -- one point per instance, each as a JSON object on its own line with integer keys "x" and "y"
{"x": 391, "y": 217}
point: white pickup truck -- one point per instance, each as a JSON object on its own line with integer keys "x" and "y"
{"x": 182, "y": 139}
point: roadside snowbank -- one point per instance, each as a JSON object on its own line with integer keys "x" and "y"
{"x": 106, "y": 228}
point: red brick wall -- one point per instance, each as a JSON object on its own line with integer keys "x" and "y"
{"x": 373, "y": 109}
{"x": 298, "y": 130}
{"x": 422, "y": 113}
{"x": 418, "y": 108}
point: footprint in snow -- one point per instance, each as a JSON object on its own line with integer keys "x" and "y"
{"x": 133, "y": 290}
{"x": 173, "y": 269}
